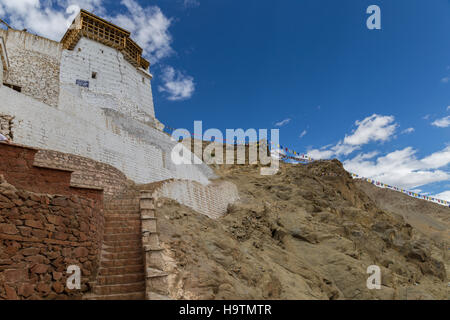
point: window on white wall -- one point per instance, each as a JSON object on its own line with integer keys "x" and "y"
{"x": 94, "y": 75}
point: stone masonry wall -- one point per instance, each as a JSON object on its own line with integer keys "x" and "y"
{"x": 40, "y": 236}
{"x": 34, "y": 65}
{"x": 156, "y": 285}
{"x": 6, "y": 126}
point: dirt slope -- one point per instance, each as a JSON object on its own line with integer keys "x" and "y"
{"x": 307, "y": 233}
{"x": 430, "y": 218}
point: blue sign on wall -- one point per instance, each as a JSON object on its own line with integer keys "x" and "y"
{"x": 83, "y": 83}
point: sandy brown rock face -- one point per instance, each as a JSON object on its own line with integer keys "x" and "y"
{"x": 307, "y": 233}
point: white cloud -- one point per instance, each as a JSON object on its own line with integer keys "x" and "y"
{"x": 402, "y": 168}
{"x": 43, "y": 19}
{"x": 437, "y": 160}
{"x": 304, "y": 133}
{"x": 149, "y": 27}
{"x": 320, "y": 154}
{"x": 445, "y": 80}
{"x": 376, "y": 128}
{"x": 373, "y": 128}
{"x": 282, "y": 123}
{"x": 409, "y": 130}
{"x": 448, "y": 108}
{"x": 89, "y": 5}
{"x": 442, "y": 123}
{"x": 443, "y": 196}
{"x": 51, "y": 18}
{"x": 177, "y": 85}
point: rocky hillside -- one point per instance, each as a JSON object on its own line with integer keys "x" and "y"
{"x": 309, "y": 232}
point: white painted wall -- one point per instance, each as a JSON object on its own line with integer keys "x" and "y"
{"x": 212, "y": 200}
{"x": 79, "y": 128}
{"x": 118, "y": 85}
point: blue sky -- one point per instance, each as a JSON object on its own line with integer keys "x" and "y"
{"x": 378, "y": 100}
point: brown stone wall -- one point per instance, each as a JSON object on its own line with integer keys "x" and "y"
{"x": 46, "y": 171}
{"x": 40, "y": 236}
{"x": 46, "y": 225}
{"x": 17, "y": 165}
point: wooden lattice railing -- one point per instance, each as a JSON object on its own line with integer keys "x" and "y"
{"x": 95, "y": 28}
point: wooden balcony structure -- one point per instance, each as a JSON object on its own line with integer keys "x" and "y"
{"x": 95, "y": 28}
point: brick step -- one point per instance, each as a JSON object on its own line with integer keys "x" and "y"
{"x": 121, "y": 249}
{"x": 124, "y": 201}
{"x": 120, "y": 296}
{"x": 120, "y": 279}
{"x": 116, "y": 271}
{"x": 123, "y": 224}
{"x": 107, "y": 207}
{"x": 123, "y": 255}
{"x": 123, "y": 230}
{"x": 124, "y": 221}
{"x": 137, "y": 244}
{"x": 122, "y": 217}
{"x": 119, "y": 288}
{"x": 121, "y": 262}
{"x": 122, "y": 211}
{"x": 121, "y": 237}
{"x": 118, "y": 205}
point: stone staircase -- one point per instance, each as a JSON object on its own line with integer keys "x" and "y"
{"x": 156, "y": 277}
{"x": 121, "y": 274}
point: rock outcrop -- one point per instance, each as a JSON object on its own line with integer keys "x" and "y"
{"x": 308, "y": 232}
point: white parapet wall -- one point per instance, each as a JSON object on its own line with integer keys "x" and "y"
{"x": 212, "y": 200}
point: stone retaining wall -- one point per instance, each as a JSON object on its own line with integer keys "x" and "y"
{"x": 40, "y": 236}
{"x": 46, "y": 225}
{"x": 211, "y": 200}
{"x": 6, "y": 126}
